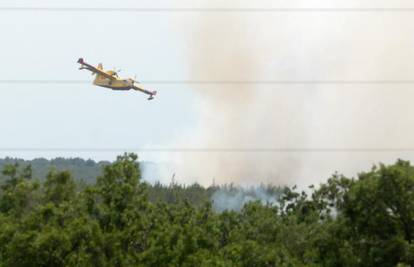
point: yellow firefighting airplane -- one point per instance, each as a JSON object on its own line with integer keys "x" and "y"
{"x": 110, "y": 79}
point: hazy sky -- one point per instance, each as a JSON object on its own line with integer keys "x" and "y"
{"x": 177, "y": 46}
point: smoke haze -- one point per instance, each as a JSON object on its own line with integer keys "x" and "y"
{"x": 234, "y": 198}
{"x": 297, "y": 47}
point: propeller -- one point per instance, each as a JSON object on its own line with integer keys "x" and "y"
{"x": 134, "y": 79}
{"x": 116, "y": 70}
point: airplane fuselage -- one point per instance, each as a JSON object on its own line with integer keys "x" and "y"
{"x": 121, "y": 85}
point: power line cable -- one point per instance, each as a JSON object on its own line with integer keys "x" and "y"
{"x": 209, "y": 150}
{"x": 222, "y": 82}
{"x": 199, "y": 10}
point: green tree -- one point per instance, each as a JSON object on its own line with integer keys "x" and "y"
{"x": 59, "y": 187}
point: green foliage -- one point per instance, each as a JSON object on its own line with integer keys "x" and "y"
{"x": 82, "y": 170}
{"x": 121, "y": 221}
{"x": 59, "y": 187}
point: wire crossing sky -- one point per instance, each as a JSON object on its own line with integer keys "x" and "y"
{"x": 199, "y": 10}
{"x": 379, "y": 82}
{"x": 209, "y": 150}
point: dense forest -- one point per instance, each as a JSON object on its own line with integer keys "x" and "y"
{"x": 116, "y": 219}
{"x": 81, "y": 170}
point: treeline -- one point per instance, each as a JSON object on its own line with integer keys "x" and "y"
{"x": 121, "y": 221}
{"x": 82, "y": 170}
{"x": 85, "y": 172}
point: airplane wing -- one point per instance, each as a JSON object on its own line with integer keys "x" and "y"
{"x": 141, "y": 89}
{"x": 86, "y": 66}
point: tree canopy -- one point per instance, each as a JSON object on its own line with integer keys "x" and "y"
{"x": 119, "y": 220}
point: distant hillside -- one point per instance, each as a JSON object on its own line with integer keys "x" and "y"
{"x": 82, "y": 170}
{"x": 224, "y": 197}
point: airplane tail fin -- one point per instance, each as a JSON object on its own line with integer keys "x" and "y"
{"x": 152, "y": 94}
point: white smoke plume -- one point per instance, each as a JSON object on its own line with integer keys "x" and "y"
{"x": 234, "y": 198}
{"x": 297, "y": 47}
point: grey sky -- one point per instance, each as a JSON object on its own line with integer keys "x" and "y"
{"x": 206, "y": 46}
